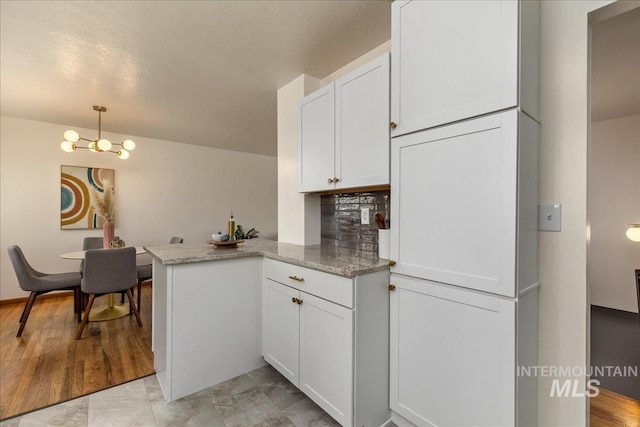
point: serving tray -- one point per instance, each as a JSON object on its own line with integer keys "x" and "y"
{"x": 229, "y": 244}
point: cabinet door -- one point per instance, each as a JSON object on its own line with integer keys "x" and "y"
{"x": 316, "y": 134}
{"x": 280, "y": 329}
{"x": 454, "y": 203}
{"x": 326, "y": 356}
{"x": 362, "y": 126}
{"x": 452, "y": 359}
{"x": 451, "y": 60}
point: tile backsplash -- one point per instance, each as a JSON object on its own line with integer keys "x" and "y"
{"x": 341, "y": 226}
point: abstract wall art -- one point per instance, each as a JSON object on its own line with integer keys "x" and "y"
{"x": 76, "y": 189}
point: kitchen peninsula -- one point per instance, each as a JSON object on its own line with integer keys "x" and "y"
{"x": 319, "y": 315}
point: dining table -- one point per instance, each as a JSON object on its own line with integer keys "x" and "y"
{"x": 111, "y": 310}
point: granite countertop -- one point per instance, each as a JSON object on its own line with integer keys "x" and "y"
{"x": 340, "y": 261}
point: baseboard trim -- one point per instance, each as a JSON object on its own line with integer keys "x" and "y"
{"x": 49, "y": 295}
{"x": 24, "y": 299}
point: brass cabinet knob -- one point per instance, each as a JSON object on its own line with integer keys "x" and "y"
{"x": 392, "y": 263}
{"x": 296, "y": 278}
{"x": 336, "y": 179}
{"x": 392, "y": 125}
{"x": 294, "y": 299}
{"x": 330, "y": 180}
{"x": 299, "y": 301}
{"x": 392, "y": 287}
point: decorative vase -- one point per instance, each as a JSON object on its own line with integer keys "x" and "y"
{"x": 117, "y": 243}
{"x": 107, "y": 234}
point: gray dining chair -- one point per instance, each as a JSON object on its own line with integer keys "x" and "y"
{"x": 145, "y": 273}
{"x": 39, "y": 283}
{"x": 91, "y": 243}
{"x": 106, "y": 272}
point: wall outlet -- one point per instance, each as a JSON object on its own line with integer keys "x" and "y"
{"x": 364, "y": 216}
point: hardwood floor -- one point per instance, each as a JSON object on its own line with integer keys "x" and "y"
{"x": 613, "y": 409}
{"x": 47, "y": 365}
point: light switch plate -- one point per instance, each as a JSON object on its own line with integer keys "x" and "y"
{"x": 364, "y": 216}
{"x": 549, "y": 217}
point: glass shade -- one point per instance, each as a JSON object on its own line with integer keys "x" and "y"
{"x": 93, "y": 146}
{"x": 71, "y": 136}
{"x": 633, "y": 232}
{"x": 129, "y": 144}
{"x": 123, "y": 154}
{"x": 68, "y": 146}
{"x": 104, "y": 145}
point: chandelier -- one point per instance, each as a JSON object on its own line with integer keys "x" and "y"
{"x": 71, "y": 137}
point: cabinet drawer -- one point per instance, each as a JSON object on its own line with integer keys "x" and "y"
{"x": 324, "y": 285}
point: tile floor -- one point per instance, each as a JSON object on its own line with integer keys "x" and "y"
{"x": 261, "y": 397}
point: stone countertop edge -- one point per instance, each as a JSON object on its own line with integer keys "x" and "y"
{"x": 341, "y": 262}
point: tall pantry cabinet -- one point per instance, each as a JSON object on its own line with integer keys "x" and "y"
{"x": 464, "y": 184}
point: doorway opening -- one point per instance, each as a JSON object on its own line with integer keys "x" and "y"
{"x": 614, "y": 198}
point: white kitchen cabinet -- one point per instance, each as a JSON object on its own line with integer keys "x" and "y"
{"x": 362, "y": 132}
{"x": 454, "y": 358}
{"x": 281, "y": 329}
{"x": 326, "y": 355}
{"x": 465, "y": 201}
{"x": 453, "y": 60}
{"x": 464, "y": 196}
{"x": 343, "y": 131}
{"x": 306, "y": 334}
{"x": 336, "y": 330}
{"x": 316, "y": 133}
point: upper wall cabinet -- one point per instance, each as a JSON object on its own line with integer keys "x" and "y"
{"x": 316, "y": 133}
{"x": 455, "y": 60}
{"x": 343, "y": 134}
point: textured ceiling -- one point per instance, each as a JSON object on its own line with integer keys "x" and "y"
{"x": 198, "y": 72}
{"x": 615, "y": 67}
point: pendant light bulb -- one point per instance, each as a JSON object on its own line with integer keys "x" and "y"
{"x": 128, "y": 145}
{"x": 104, "y": 145}
{"x": 93, "y": 146}
{"x": 123, "y": 154}
{"x": 68, "y": 146}
{"x": 633, "y": 232}
{"x": 71, "y": 135}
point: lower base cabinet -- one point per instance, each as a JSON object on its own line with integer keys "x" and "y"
{"x": 336, "y": 354}
{"x": 310, "y": 340}
{"x": 454, "y": 354}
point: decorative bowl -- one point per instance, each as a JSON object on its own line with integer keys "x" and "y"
{"x": 219, "y": 237}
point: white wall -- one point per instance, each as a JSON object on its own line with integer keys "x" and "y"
{"x": 164, "y": 189}
{"x": 563, "y": 314}
{"x": 298, "y": 214}
{"x": 614, "y": 202}
{"x": 358, "y": 62}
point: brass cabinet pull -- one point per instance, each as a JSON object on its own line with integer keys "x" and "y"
{"x": 336, "y": 179}
{"x": 299, "y": 301}
{"x": 296, "y": 278}
{"x": 392, "y": 287}
{"x": 392, "y": 263}
{"x": 392, "y": 125}
{"x": 330, "y": 180}
{"x": 294, "y": 299}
